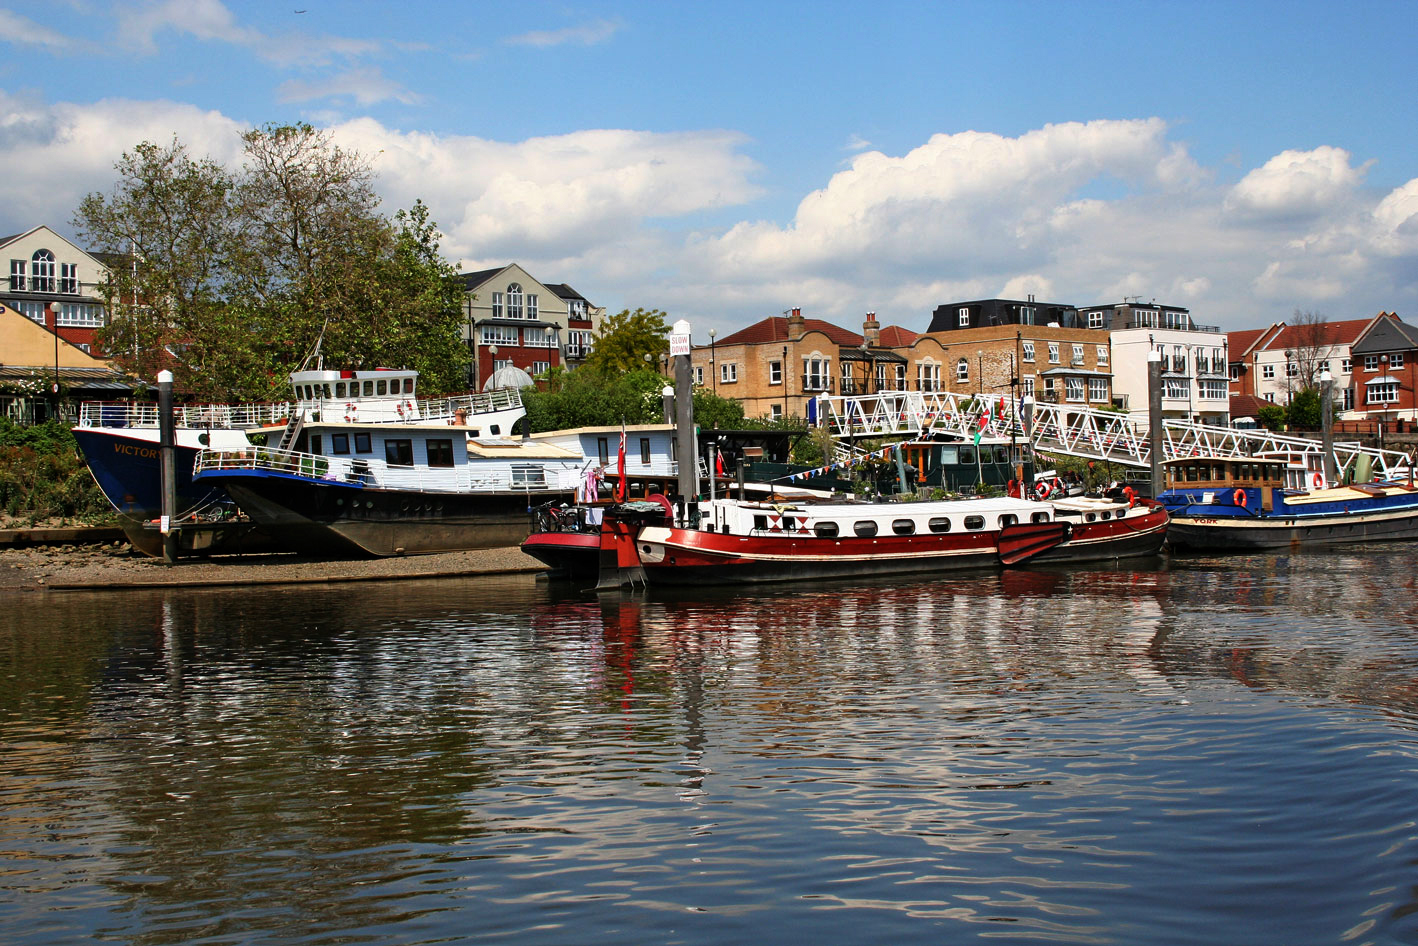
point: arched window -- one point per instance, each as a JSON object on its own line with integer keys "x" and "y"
{"x": 514, "y": 301}
{"x": 962, "y": 371}
{"x": 42, "y": 271}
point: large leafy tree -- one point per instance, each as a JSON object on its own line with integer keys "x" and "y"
{"x": 629, "y": 341}
{"x": 246, "y": 276}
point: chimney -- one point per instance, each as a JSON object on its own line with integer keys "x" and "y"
{"x": 871, "y": 329}
{"x": 795, "y": 322}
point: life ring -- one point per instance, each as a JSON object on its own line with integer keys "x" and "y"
{"x": 1239, "y": 498}
{"x": 1316, "y": 480}
{"x": 351, "y": 410}
{"x": 1042, "y": 489}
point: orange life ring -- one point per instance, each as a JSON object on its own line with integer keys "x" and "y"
{"x": 1239, "y": 498}
{"x": 1316, "y": 480}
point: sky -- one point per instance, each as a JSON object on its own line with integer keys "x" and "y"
{"x": 726, "y": 161}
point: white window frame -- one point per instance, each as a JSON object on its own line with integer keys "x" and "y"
{"x": 962, "y": 371}
{"x": 1382, "y": 392}
{"x": 1075, "y": 391}
{"x": 531, "y": 298}
{"x": 775, "y": 372}
{"x": 69, "y": 278}
{"x": 1267, "y": 372}
{"x": 1095, "y": 318}
{"x": 1395, "y": 361}
{"x": 18, "y": 271}
{"x": 497, "y": 335}
{"x": 1371, "y": 362}
{"x": 497, "y": 305}
{"x": 699, "y": 375}
{"x": 1098, "y": 390}
{"x": 42, "y": 271}
{"x": 1346, "y": 365}
{"x": 540, "y": 367}
{"x": 964, "y": 320}
{"x": 81, "y": 315}
{"x": 1028, "y": 347}
{"x": 1026, "y": 386}
{"x": 728, "y": 372}
{"x": 1053, "y": 353}
{"x": 1078, "y": 354}
{"x": 1102, "y": 354}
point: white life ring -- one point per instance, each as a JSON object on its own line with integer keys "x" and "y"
{"x": 1042, "y": 489}
{"x": 1316, "y": 480}
{"x": 350, "y": 412}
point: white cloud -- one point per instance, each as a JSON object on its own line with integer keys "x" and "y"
{"x": 364, "y": 86}
{"x": 24, "y": 32}
{"x": 140, "y": 26}
{"x": 588, "y": 34}
{"x": 1079, "y": 213}
{"x": 1296, "y": 184}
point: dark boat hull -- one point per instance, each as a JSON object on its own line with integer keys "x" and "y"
{"x": 128, "y": 471}
{"x": 327, "y": 518}
{"x": 573, "y": 555}
{"x": 1234, "y": 533}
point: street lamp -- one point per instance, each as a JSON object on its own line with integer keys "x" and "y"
{"x": 980, "y": 369}
{"x": 713, "y": 378}
{"x": 54, "y": 318}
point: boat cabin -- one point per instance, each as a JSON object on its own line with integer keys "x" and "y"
{"x": 866, "y": 520}
{"x": 1202, "y": 475}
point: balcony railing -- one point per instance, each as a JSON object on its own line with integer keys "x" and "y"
{"x": 817, "y": 383}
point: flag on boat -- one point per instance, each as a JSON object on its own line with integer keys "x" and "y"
{"x": 983, "y": 422}
{"x": 620, "y": 490}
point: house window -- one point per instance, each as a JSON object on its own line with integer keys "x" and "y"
{"x": 1073, "y": 389}
{"x": 1267, "y": 372}
{"x": 499, "y": 363}
{"x": 699, "y": 375}
{"x": 775, "y": 372}
{"x": 42, "y": 272}
{"x": 775, "y": 411}
{"x": 1102, "y": 355}
{"x": 440, "y": 452}
{"x": 1026, "y": 315}
{"x": 1175, "y": 388}
{"x": 1213, "y": 390}
{"x": 17, "y": 275}
{"x": 540, "y": 367}
{"x": 1383, "y": 392}
{"x": 539, "y": 337}
{"x": 1371, "y": 362}
{"x": 514, "y": 301}
{"x": 81, "y": 315}
{"x": 1095, "y": 318}
{"x": 69, "y": 278}
{"x": 1179, "y": 359}
{"x": 1053, "y": 353}
{"x": 1235, "y": 372}
{"x": 1049, "y": 389}
{"x": 1026, "y": 386}
{"x": 1348, "y": 399}
{"x": 531, "y": 298}
{"x": 1078, "y": 354}
{"x": 498, "y": 334}
{"x": 1292, "y": 370}
{"x": 1028, "y": 351}
{"x": 497, "y": 306}
{"x": 399, "y": 452}
{"x": 1346, "y": 365}
{"x": 1395, "y": 361}
{"x": 645, "y": 450}
{"x": 962, "y": 371}
{"x": 817, "y": 375}
{"x": 728, "y": 372}
{"x": 1098, "y": 389}
{"x": 928, "y": 376}
{"x": 964, "y": 318}
{"x": 339, "y": 443}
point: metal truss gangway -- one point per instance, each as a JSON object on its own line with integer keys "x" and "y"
{"x": 1080, "y": 431}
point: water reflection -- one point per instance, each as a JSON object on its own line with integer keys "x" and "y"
{"x": 1074, "y": 756}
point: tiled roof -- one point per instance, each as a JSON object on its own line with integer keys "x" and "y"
{"x": 1241, "y": 342}
{"x": 775, "y": 329}
{"x": 1246, "y": 405}
{"x": 473, "y": 280}
{"x": 1327, "y": 333}
{"x": 894, "y": 336}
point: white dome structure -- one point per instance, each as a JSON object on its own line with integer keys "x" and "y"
{"x": 509, "y": 377}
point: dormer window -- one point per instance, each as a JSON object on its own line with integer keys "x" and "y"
{"x": 964, "y": 318}
{"x": 514, "y": 301}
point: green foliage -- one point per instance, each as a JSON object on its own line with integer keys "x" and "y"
{"x": 1305, "y": 410}
{"x": 1271, "y": 416}
{"x": 42, "y": 477}
{"x": 244, "y": 275}
{"x": 625, "y": 339}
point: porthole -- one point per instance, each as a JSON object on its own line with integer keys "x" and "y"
{"x": 939, "y": 524}
{"x": 974, "y": 523}
{"x": 1090, "y": 517}
{"x": 904, "y": 526}
{"x": 866, "y": 528}
{"x": 1039, "y": 517}
{"x": 1008, "y": 519}
{"x": 825, "y": 530}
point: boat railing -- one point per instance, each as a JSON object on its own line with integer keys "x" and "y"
{"x": 361, "y": 471}
{"x": 121, "y": 414}
{"x": 396, "y": 410}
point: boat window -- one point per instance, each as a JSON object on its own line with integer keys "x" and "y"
{"x": 339, "y": 443}
{"x": 399, "y": 452}
{"x": 362, "y": 444}
{"x": 408, "y": 385}
{"x": 904, "y": 526}
{"x": 1105, "y": 515}
{"x": 825, "y": 530}
{"x": 1001, "y": 454}
{"x": 760, "y": 522}
{"x": 528, "y": 475}
{"x": 315, "y": 444}
{"x": 495, "y": 430}
{"x": 967, "y": 456}
{"x": 949, "y": 456}
{"x": 708, "y": 527}
{"x": 866, "y": 528}
{"x": 339, "y": 389}
{"x": 1039, "y": 517}
{"x": 382, "y": 388}
{"x": 369, "y": 389}
{"x": 328, "y": 389}
{"x": 974, "y": 522}
{"x": 440, "y": 452}
{"x": 603, "y": 450}
{"x": 645, "y": 450}
{"x": 790, "y": 524}
{"x": 1090, "y": 517}
{"x": 939, "y": 524}
{"x": 1008, "y": 519}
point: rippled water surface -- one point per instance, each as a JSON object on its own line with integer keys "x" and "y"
{"x": 1207, "y": 750}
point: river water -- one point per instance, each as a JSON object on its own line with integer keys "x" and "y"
{"x": 1204, "y": 750}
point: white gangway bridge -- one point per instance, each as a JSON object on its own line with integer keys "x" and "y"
{"x": 1079, "y": 431}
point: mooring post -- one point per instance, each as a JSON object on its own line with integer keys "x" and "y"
{"x": 168, "y": 461}
{"x": 1154, "y": 418}
{"x": 1331, "y": 469}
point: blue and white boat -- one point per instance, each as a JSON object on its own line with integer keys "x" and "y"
{"x": 363, "y": 468}
{"x": 1249, "y": 504}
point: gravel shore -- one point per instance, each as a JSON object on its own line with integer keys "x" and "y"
{"x": 115, "y": 565}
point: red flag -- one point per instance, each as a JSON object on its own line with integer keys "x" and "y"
{"x": 718, "y": 464}
{"x": 620, "y": 489}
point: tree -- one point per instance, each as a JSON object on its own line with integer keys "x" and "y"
{"x": 1305, "y": 410}
{"x": 244, "y": 277}
{"x": 168, "y": 227}
{"x": 624, "y": 341}
{"x": 1271, "y": 416}
{"x": 1311, "y": 350}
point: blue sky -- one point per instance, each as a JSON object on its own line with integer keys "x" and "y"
{"x": 726, "y": 161}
